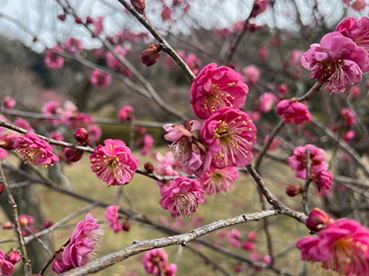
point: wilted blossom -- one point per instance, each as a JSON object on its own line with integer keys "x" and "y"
{"x": 9, "y": 102}
{"x": 73, "y": 45}
{"x": 342, "y": 246}
{"x": 293, "y": 111}
{"x": 52, "y": 59}
{"x": 218, "y": 180}
{"x": 348, "y": 136}
{"x": 19, "y": 122}
{"x": 113, "y": 163}
{"x": 6, "y": 267}
{"x": 348, "y": 116}
{"x": 148, "y": 141}
{"x": 336, "y": 61}
{"x": 153, "y": 258}
{"x": 230, "y": 136}
{"x": 217, "y": 87}
{"x": 267, "y": 100}
{"x": 251, "y": 74}
{"x": 181, "y": 196}
{"x": 192, "y": 155}
{"x": 111, "y": 214}
{"x": 297, "y": 161}
{"x": 318, "y": 220}
{"x": 356, "y": 29}
{"x": 78, "y": 251}
{"x": 99, "y": 78}
{"x": 35, "y": 150}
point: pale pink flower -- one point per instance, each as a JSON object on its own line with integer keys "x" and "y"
{"x": 193, "y": 62}
{"x": 217, "y": 87}
{"x": 79, "y": 120}
{"x": 297, "y": 161}
{"x": 98, "y": 23}
{"x": 148, "y": 141}
{"x": 111, "y": 215}
{"x": 348, "y": 136}
{"x": 295, "y": 57}
{"x": 82, "y": 242}
{"x": 19, "y": 122}
{"x": 336, "y": 61}
{"x": 235, "y": 237}
{"x": 166, "y": 165}
{"x": 230, "y": 135}
{"x": 35, "y": 150}
{"x": 267, "y": 100}
{"x": 100, "y": 79}
{"x": 218, "y": 180}
{"x": 251, "y": 74}
{"x": 153, "y": 258}
{"x": 9, "y": 102}
{"x": 73, "y": 45}
{"x": 6, "y": 267}
{"x": 181, "y": 196}
{"x": 52, "y": 59}
{"x": 356, "y": 29}
{"x": 318, "y": 220}
{"x": 342, "y": 246}
{"x": 293, "y": 111}
{"x": 348, "y": 116}
{"x": 222, "y": 32}
{"x": 251, "y": 236}
{"x": 192, "y": 155}
{"x": 113, "y": 163}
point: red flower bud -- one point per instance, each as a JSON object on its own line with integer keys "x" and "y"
{"x": 72, "y": 154}
{"x": 151, "y": 54}
{"x": 61, "y": 17}
{"x": 126, "y": 225}
{"x": 139, "y": 5}
{"x": 89, "y": 20}
{"x": 149, "y": 167}
{"x": 78, "y": 20}
{"x": 259, "y": 7}
{"x": 318, "y": 220}
{"x": 293, "y": 190}
{"x": 81, "y": 135}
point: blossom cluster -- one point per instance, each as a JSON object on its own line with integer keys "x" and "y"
{"x": 155, "y": 262}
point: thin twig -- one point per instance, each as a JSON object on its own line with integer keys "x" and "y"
{"x": 304, "y": 200}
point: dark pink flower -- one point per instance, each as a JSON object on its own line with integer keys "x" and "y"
{"x": 73, "y": 45}
{"x": 113, "y": 163}
{"x": 9, "y": 102}
{"x": 235, "y": 237}
{"x": 293, "y": 111}
{"x": 248, "y": 245}
{"x": 100, "y": 79}
{"x": 52, "y": 59}
{"x": 230, "y": 136}
{"x": 218, "y": 180}
{"x": 355, "y": 29}
{"x": 251, "y": 74}
{"x": 348, "y": 116}
{"x": 181, "y": 196}
{"x": 348, "y": 136}
{"x": 82, "y": 242}
{"x": 323, "y": 180}
{"x": 318, "y": 220}
{"x": 125, "y": 113}
{"x": 111, "y": 214}
{"x": 12, "y": 256}
{"x": 35, "y": 150}
{"x": 166, "y": 14}
{"x": 19, "y": 122}
{"x": 6, "y": 267}
{"x": 217, "y": 87}
{"x": 342, "y": 246}
{"x": 82, "y": 136}
{"x": 153, "y": 258}
{"x": 56, "y": 135}
{"x": 297, "y": 161}
{"x": 151, "y": 54}
{"x": 337, "y": 61}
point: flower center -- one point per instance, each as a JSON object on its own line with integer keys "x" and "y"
{"x": 218, "y": 98}
{"x": 185, "y": 203}
{"x": 113, "y": 162}
{"x": 222, "y": 132}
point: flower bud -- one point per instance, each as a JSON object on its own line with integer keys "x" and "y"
{"x": 259, "y": 7}
{"x": 151, "y": 54}
{"x": 78, "y": 20}
{"x": 149, "y": 167}
{"x": 323, "y": 180}
{"x": 47, "y": 223}
{"x": 7, "y": 225}
{"x": 89, "y": 20}
{"x": 81, "y": 135}
{"x": 126, "y": 225}
{"x": 318, "y": 220}
{"x": 72, "y": 154}
{"x": 139, "y": 5}
{"x": 62, "y": 16}
{"x": 293, "y": 190}
{"x": 12, "y": 256}
{"x": 9, "y": 102}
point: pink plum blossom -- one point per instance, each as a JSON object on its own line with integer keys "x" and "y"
{"x": 251, "y": 74}
{"x": 297, "y": 161}
{"x": 267, "y": 100}
{"x": 293, "y": 111}
{"x": 148, "y": 141}
{"x": 52, "y": 59}
{"x": 73, "y": 45}
{"x": 100, "y": 79}
{"x": 358, "y": 5}
{"x": 56, "y": 135}
{"x": 353, "y": 92}
{"x": 259, "y": 7}
{"x": 348, "y": 116}
{"x": 12, "y": 256}
{"x": 27, "y": 224}
{"x": 263, "y": 52}
{"x": 348, "y": 136}
{"x": 6, "y": 267}
{"x": 217, "y": 87}
{"x": 166, "y": 14}
{"x": 9, "y": 102}
{"x": 125, "y": 113}
{"x": 19, "y": 122}
{"x": 318, "y": 220}
{"x": 98, "y": 24}
{"x": 323, "y": 180}
{"x": 166, "y": 164}
{"x": 356, "y": 29}
{"x": 111, "y": 214}
{"x": 336, "y": 61}
{"x": 218, "y": 180}
{"x": 230, "y": 136}
{"x": 112, "y": 61}
{"x": 113, "y": 163}
{"x": 342, "y": 246}
{"x": 52, "y": 108}
{"x": 82, "y": 242}
{"x": 181, "y": 196}
{"x": 94, "y": 132}
{"x": 193, "y": 62}
{"x": 235, "y": 237}
{"x": 153, "y": 258}
{"x": 35, "y": 150}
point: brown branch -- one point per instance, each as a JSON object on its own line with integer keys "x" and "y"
{"x": 304, "y": 200}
